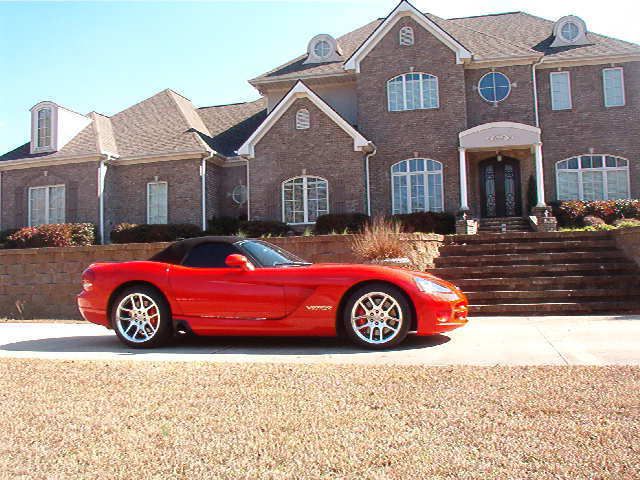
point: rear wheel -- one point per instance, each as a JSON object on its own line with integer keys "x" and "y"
{"x": 141, "y": 317}
{"x": 377, "y": 316}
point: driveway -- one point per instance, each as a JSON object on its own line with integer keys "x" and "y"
{"x": 588, "y": 340}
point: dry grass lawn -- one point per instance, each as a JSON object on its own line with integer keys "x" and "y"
{"x": 143, "y": 420}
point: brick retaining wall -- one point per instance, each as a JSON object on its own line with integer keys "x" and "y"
{"x": 43, "y": 283}
{"x": 628, "y": 239}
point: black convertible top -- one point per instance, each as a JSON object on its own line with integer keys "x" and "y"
{"x": 175, "y": 252}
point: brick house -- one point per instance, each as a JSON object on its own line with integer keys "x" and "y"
{"x": 493, "y": 115}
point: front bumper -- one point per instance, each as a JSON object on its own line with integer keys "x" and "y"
{"x": 440, "y": 315}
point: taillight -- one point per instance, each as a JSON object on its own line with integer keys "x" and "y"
{"x": 88, "y": 277}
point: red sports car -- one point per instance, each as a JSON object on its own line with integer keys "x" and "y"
{"x": 236, "y": 286}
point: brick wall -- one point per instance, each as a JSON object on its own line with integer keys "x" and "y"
{"x": 43, "y": 283}
{"x": 628, "y": 240}
{"x": 589, "y": 124}
{"x": 324, "y": 150}
{"x": 418, "y": 133}
{"x": 230, "y": 178}
{"x": 81, "y": 192}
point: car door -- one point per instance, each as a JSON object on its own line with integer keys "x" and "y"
{"x": 205, "y": 287}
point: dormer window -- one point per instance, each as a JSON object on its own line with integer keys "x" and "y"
{"x": 44, "y": 128}
{"x": 406, "y": 36}
{"x": 569, "y": 31}
{"x": 323, "y": 48}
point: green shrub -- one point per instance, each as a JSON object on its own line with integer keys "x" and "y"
{"x": 132, "y": 233}
{"x": 341, "y": 223}
{"x": 223, "y": 226}
{"x": 54, "y": 235}
{"x": 259, "y": 228}
{"x": 427, "y": 222}
{"x": 573, "y": 213}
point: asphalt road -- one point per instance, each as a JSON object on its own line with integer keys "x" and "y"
{"x": 589, "y": 340}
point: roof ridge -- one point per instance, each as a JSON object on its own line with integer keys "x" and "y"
{"x": 191, "y": 129}
{"x": 230, "y": 104}
{"x": 485, "y": 15}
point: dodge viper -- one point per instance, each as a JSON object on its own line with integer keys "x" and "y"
{"x": 235, "y": 286}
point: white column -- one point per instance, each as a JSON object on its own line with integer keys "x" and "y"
{"x": 464, "y": 202}
{"x": 539, "y": 176}
{"x": 102, "y": 173}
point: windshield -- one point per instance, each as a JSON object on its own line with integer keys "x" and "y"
{"x": 269, "y": 255}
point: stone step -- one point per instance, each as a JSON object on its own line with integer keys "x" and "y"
{"x": 544, "y": 283}
{"x": 519, "y": 259}
{"x": 518, "y": 237}
{"x": 559, "y": 308}
{"x": 536, "y": 247}
{"x": 543, "y": 296}
{"x": 525, "y": 271}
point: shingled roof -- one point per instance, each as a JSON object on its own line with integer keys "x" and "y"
{"x": 488, "y": 37}
{"x": 163, "y": 124}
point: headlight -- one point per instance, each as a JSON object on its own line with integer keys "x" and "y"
{"x": 427, "y": 286}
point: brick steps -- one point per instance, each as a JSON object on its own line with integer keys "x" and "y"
{"x": 541, "y": 273}
{"x": 511, "y": 224}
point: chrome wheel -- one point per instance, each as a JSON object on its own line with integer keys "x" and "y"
{"x": 376, "y": 318}
{"x": 137, "y": 318}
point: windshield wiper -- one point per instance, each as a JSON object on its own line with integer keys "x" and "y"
{"x": 293, "y": 264}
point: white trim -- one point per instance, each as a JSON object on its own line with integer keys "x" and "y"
{"x": 300, "y": 90}
{"x": 539, "y": 177}
{"x": 425, "y": 174}
{"x": 595, "y": 60}
{"x": 102, "y": 173}
{"x": 40, "y": 162}
{"x": 405, "y": 9}
{"x": 604, "y": 87}
{"x": 305, "y": 198}
{"x": 166, "y": 201}
{"x": 162, "y": 157}
{"x": 488, "y": 126}
{"x": 47, "y": 203}
{"x": 53, "y": 144}
{"x": 566, "y": 74}
{"x": 603, "y": 169}
{"x": 464, "y": 196}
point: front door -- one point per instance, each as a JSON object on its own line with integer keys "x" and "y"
{"x": 500, "y": 187}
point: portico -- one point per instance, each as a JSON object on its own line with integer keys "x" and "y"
{"x": 498, "y": 162}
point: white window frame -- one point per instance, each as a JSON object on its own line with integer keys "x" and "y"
{"x": 38, "y": 128}
{"x": 406, "y": 36}
{"x": 149, "y": 203}
{"x": 425, "y": 174}
{"x": 305, "y": 198}
{"x": 494, "y": 102}
{"x": 604, "y": 169}
{"x": 404, "y": 92}
{"x": 47, "y": 197}
{"x": 303, "y": 119}
{"x": 607, "y": 103}
{"x": 554, "y": 101}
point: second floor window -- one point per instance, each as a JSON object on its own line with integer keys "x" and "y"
{"x": 44, "y": 128}
{"x": 157, "y": 203}
{"x": 613, "y": 84}
{"x": 413, "y": 91}
{"x": 560, "y": 90}
{"x": 494, "y": 87}
{"x": 46, "y": 205}
{"x": 304, "y": 199}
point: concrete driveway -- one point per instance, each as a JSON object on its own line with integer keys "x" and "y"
{"x": 589, "y": 340}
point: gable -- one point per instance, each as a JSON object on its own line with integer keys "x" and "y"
{"x": 403, "y": 10}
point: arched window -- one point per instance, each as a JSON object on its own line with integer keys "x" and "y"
{"x": 593, "y": 177}
{"x": 44, "y": 128}
{"x": 304, "y": 199}
{"x": 303, "y": 120}
{"x": 406, "y": 36}
{"x": 416, "y": 186}
{"x": 413, "y": 91}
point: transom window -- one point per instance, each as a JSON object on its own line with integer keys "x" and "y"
{"x": 413, "y": 91}
{"x": 613, "y": 83}
{"x": 303, "y": 119}
{"x": 157, "y": 203}
{"x": 406, "y": 36}
{"x": 416, "y": 186}
{"x": 46, "y": 205}
{"x": 494, "y": 87}
{"x": 44, "y": 128}
{"x": 304, "y": 199}
{"x": 593, "y": 177}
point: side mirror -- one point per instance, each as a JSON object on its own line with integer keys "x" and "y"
{"x": 239, "y": 261}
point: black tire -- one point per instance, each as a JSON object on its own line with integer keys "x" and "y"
{"x": 143, "y": 295}
{"x": 372, "y": 335}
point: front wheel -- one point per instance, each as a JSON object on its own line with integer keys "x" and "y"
{"x": 377, "y": 316}
{"x": 141, "y": 317}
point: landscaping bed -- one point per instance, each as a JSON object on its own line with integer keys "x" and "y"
{"x": 174, "y": 420}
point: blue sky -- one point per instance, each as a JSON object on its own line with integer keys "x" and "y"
{"x": 105, "y": 56}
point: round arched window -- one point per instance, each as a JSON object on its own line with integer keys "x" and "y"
{"x": 239, "y": 194}
{"x": 322, "y": 49}
{"x": 570, "y": 31}
{"x": 494, "y": 87}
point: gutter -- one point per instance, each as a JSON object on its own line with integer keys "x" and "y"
{"x": 535, "y": 90}
{"x": 367, "y": 176}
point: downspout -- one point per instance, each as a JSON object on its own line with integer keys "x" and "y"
{"x": 102, "y": 173}
{"x": 367, "y": 175}
{"x": 535, "y": 91}
{"x": 248, "y": 192}
{"x": 203, "y": 180}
